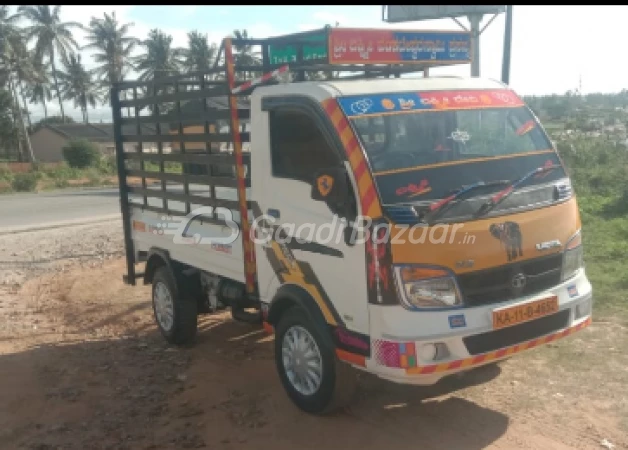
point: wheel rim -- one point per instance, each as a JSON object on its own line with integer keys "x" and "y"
{"x": 164, "y": 306}
{"x": 302, "y": 360}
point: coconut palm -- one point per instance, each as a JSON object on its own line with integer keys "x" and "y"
{"x": 14, "y": 67}
{"x": 200, "y": 54}
{"x": 8, "y": 28}
{"x": 113, "y": 48}
{"x": 52, "y": 37}
{"x": 244, "y": 54}
{"x": 161, "y": 58}
{"x": 38, "y": 88}
{"x": 78, "y": 84}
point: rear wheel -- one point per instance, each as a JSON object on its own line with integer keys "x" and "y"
{"x": 311, "y": 374}
{"x": 175, "y": 315}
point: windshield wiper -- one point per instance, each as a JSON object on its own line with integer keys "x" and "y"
{"x": 435, "y": 208}
{"x": 512, "y": 186}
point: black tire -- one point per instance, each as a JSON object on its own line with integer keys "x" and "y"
{"x": 338, "y": 381}
{"x": 184, "y": 319}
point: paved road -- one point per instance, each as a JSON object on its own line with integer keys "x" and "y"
{"x": 25, "y": 210}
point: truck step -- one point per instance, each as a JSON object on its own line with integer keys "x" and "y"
{"x": 241, "y": 315}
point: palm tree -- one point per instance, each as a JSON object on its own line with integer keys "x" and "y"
{"x": 8, "y": 28}
{"x": 24, "y": 73}
{"x": 113, "y": 48}
{"x": 78, "y": 84}
{"x": 38, "y": 89}
{"x": 14, "y": 66}
{"x": 52, "y": 37}
{"x": 161, "y": 58}
{"x": 244, "y": 54}
{"x": 200, "y": 54}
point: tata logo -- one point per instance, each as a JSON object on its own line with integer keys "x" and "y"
{"x": 414, "y": 190}
{"x": 518, "y": 282}
{"x": 542, "y": 246}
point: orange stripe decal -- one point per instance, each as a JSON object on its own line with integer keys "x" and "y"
{"x": 248, "y": 249}
{"x": 369, "y": 200}
{"x": 486, "y": 357}
{"x": 351, "y": 358}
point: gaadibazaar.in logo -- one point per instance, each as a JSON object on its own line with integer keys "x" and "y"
{"x": 265, "y": 229}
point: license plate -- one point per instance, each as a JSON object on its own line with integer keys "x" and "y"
{"x": 508, "y": 317}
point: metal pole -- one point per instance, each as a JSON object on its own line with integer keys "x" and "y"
{"x": 474, "y": 21}
{"x": 125, "y": 207}
{"x": 507, "y": 46}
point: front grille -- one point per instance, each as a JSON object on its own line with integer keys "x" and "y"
{"x": 506, "y": 337}
{"x": 494, "y": 285}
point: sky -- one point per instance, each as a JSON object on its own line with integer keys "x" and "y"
{"x": 554, "y": 48}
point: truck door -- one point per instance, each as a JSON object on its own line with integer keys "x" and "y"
{"x": 323, "y": 263}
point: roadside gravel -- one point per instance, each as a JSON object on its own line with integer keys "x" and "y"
{"x": 31, "y": 254}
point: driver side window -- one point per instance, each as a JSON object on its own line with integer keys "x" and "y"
{"x": 298, "y": 147}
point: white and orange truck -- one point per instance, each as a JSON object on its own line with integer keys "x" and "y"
{"x": 410, "y": 226}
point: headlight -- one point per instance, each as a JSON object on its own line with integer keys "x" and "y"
{"x": 427, "y": 287}
{"x": 573, "y": 257}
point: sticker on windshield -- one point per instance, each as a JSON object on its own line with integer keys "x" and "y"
{"x": 428, "y": 100}
{"x": 526, "y": 128}
{"x": 361, "y": 106}
{"x": 546, "y": 165}
{"x": 414, "y": 190}
{"x": 460, "y": 136}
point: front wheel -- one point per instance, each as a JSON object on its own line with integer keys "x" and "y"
{"x": 310, "y": 373}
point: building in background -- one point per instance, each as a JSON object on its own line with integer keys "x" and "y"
{"x": 49, "y": 140}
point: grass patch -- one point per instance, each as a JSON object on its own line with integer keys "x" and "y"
{"x": 169, "y": 167}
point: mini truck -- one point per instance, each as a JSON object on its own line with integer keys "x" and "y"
{"x": 456, "y": 234}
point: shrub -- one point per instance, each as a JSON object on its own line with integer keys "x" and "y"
{"x": 93, "y": 176}
{"x": 5, "y": 173}
{"x": 107, "y": 165}
{"x": 24, "y": 182}
{"x": 80, "y": 153}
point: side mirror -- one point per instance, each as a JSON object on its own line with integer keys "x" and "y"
{"x": 331, "y": 186}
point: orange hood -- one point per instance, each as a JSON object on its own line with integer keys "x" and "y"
{"x": 488, "y": 242}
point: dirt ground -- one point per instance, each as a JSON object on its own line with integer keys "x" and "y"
{"x": 82, "y": 366}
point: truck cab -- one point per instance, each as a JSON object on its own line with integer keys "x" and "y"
{"x": 409, "y": 227}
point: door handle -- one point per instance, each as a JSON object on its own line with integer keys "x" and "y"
{"x": 273, "y": 213}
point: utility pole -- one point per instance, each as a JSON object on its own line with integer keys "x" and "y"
{"x": 507, "y": 46}
{"x": 474, "y": 21}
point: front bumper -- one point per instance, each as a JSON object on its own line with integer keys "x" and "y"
{"x": 472, "y": 342}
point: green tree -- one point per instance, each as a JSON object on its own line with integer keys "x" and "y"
{"x": 38, "y": 88}
{"x": 77, "y": 84}
{"x": 200, "y": 54}
{"x": 52, "y": 37}
{"x": 8, "y": 131}
{"x": 14, "y": 64}
{"x": 161, "y": 59}
{"x": 113, "y": 47}
{"x": 81, "y": 153}
{"x": 244, "y": 54}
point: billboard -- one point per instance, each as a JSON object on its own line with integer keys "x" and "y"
{"x": 410, "y": 13}
{"x": 376, "y": 46}
{"x": 314, "y": 47}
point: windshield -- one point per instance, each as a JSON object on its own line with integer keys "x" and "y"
{"x": 423, "y": 145}
{"x": 420, "y": 138}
